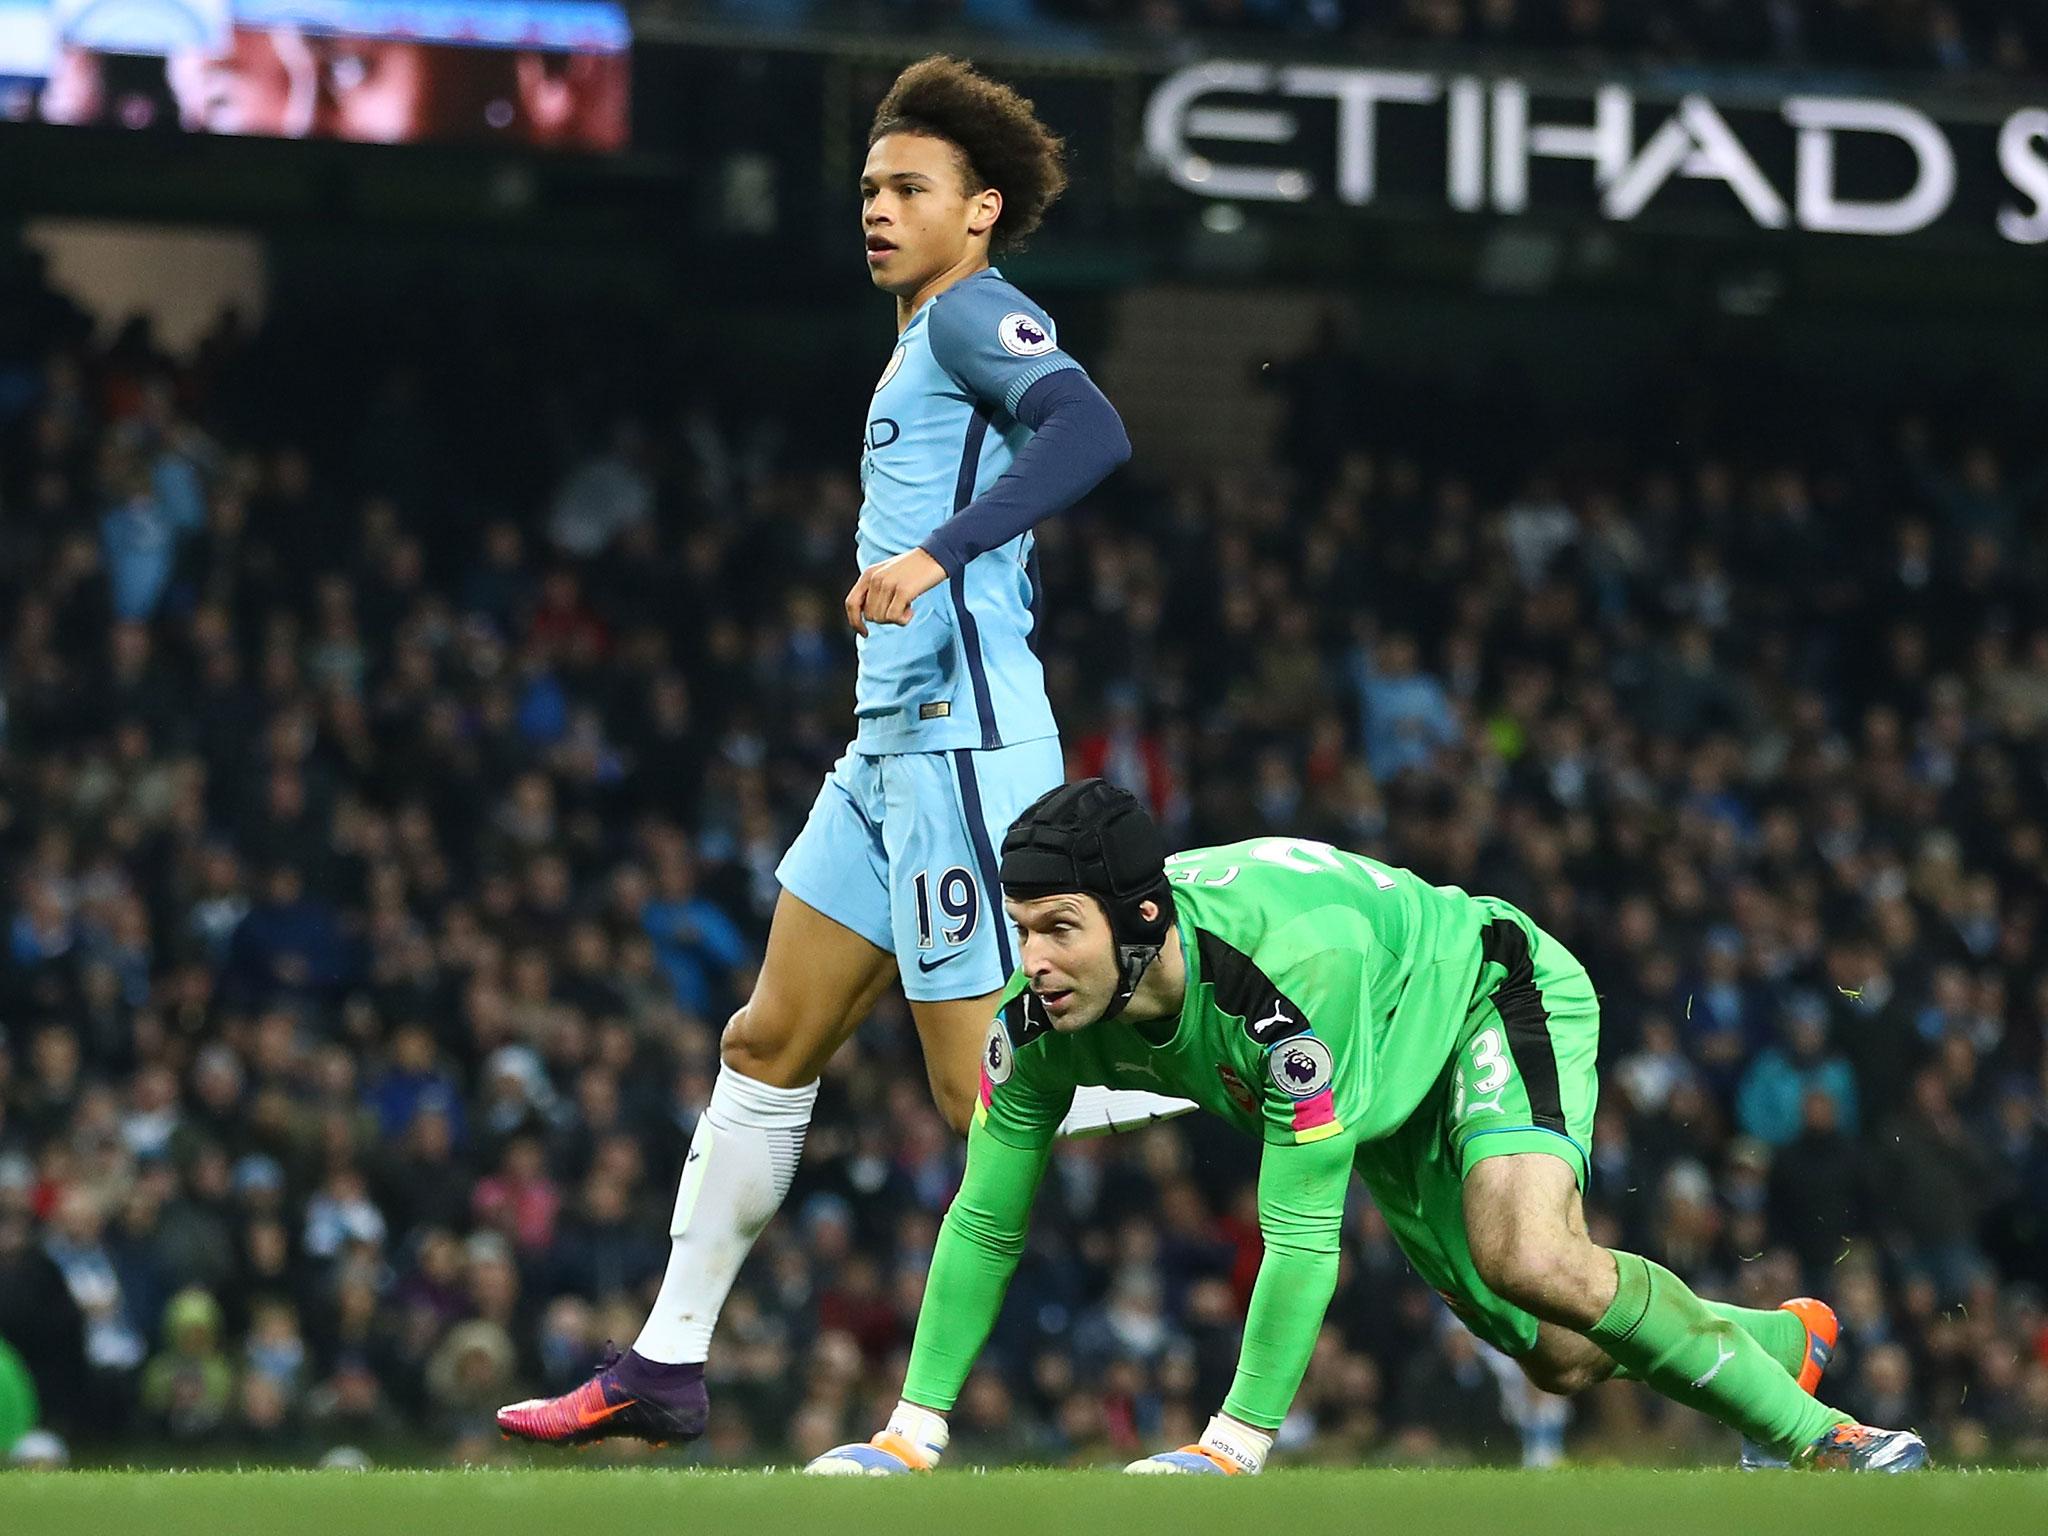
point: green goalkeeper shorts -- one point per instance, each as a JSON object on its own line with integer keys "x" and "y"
{"x": 1523, "y": 1079}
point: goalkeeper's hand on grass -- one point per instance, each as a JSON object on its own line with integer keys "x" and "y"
{"x": 913, "y": 1442}
{"x": 1226, "y": 1449}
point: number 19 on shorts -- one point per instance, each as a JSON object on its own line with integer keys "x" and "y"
{"x": 959, "y": 906}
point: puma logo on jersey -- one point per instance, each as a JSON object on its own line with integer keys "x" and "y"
{"x": 1275, "y": 1026}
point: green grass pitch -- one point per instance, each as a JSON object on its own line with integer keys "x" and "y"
{"x": 621, "y": 1502}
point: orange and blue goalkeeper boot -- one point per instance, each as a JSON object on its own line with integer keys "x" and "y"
{"x": 1823, "y": 1332}
{"x": 1860, "y": 1448}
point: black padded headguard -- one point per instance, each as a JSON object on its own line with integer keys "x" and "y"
{"x": 1095, "y": 839}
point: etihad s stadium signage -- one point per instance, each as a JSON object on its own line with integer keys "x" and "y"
{"x": 1410, "y": 139}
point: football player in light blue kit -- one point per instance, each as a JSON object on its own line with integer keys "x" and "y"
{"x": 980, "y": 427}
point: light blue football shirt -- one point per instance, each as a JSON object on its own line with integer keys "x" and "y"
{"x": 940, "y": 432}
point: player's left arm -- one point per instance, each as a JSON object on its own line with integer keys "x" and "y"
{"x": 1301, "y": 1218}
{"x": 1312, "y": 1085}
{"x": 1007, "y": 359}
{"x": 1076, "y": 440}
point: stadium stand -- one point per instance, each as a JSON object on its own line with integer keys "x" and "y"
{"x": 391, "y": 784}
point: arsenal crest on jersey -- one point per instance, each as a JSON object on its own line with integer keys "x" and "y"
{"x": 1240, "y": 1094}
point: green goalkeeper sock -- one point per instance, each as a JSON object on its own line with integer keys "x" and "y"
{"x": 1663, "y": 1334}
{"x": 1782, "y": 1335}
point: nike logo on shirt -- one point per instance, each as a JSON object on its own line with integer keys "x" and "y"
{"x": 933, "y": 965}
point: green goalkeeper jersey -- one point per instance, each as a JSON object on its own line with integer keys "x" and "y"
{"x": 1326, "y": 995}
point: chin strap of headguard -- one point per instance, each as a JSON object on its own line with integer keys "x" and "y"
{"x": 1096, "y": 839}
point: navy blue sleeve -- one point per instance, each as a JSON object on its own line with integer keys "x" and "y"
{"x": 1077, "y": 439}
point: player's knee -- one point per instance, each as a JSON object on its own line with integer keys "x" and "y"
{"x": 752, "y": 1046}
{"x": 736, "y": 1045}
{"x": 1523, "y": 1263}
{"x": 1565, "y": 1378}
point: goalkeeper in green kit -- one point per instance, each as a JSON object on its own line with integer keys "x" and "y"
{"x": 1354, "y": 1018}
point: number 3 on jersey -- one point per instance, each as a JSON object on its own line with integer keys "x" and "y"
{"x": 959, "y": 906}
{"x": 1492, "y": 1069}
{"x": 1486, "y": 1056}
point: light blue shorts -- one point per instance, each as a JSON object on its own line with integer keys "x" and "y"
{"x": 902, "y": 850}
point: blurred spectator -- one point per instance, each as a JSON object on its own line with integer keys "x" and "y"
{"x": 471, "y": 1374}
{"x": 697, "y": 944}
{"x": 1818, "y": 1196}
{"x": 349, "y": 1407}
{"x": 1938, "y": 1183}
{"x": 1406, "y": 713}
{"x": 412, "y": 1085}
{"x": 116, "y": 1343}
{"x": 604, "y": 496}
{"x": 188, "y": 1386}
{"x": 1771, "y": 1105}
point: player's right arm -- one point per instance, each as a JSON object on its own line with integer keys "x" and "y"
{"x": 979, "y": 1244}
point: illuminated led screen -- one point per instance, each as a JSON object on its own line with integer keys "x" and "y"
{"x": 546, "y": 74}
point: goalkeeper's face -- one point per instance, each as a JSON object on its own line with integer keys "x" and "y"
{"x": 1068, "y": 955}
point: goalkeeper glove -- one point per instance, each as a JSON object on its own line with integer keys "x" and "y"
{"x": 1226, "y": 1447}
{"x": 914, "y": 1441}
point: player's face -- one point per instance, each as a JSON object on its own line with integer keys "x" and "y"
{"x": 916, "y": 212}
{"x": 1068, "y": 955}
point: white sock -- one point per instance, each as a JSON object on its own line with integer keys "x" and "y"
{"x": 741, "y": 1162}
{"x": 1240, "y": 1443}
{"x": 1105, "y": 1111}
{"x": 922, "y": 1429}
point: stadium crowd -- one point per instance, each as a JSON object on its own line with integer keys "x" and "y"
{"x": 1949, "y": 37}
{"x": 388, "y": 832}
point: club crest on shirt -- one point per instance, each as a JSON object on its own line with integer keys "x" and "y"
{"x": 888, "y": 373}
{"x": 1024, "y": 334}
{"x": 1240, "y": 1092}
{"x": 1301, "y": 1067}
{"x": 997, "y": 1059}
